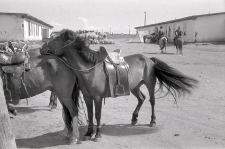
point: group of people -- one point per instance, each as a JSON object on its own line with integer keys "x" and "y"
{"x": 178, "y": 33}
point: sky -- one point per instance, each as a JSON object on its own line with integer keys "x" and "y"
{"x": 115, "y": 16}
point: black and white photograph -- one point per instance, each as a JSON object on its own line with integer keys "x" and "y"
{"x": 121, "y": 74}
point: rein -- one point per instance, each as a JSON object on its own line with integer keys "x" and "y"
{"x": 60, "y": 47}
{"x": 84, "y": 70}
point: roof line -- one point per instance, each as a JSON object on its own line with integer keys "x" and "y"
{"x": 181, "y": 19}
{"x": 25, "y": 15}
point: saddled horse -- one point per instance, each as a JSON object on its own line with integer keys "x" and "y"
{"x": 179, "y": 42}
{"x": 162, "y": 44}
{"x": 88, "y": 66}
{"x": 49, "y": 72}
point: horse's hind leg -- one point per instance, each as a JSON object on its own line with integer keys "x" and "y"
{"x": 141, "y": 98}
{"x": 53, "y": 101}
{"x": 151, "y": 88}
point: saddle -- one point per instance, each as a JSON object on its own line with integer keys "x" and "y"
{"x": 12, "y": 82}
{"x": 13, "y": 55}
{"x": 117, "y": 70}
{"x": 13, "y": 61}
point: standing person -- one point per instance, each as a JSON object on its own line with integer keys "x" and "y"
{"x": 178, "y": 33}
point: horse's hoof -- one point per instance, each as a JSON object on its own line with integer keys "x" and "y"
{"x": 152, "y": 124}
{"x": 98, "y": 138}
{"x": 73, "y": 141}
{"x": 14, "y": 113}
{"x": 133, "y": 122}
{"x": 87, "y": 138}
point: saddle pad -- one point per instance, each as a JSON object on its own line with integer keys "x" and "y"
{"x": 115, "y": 58}
{"x": 113, "y": 82}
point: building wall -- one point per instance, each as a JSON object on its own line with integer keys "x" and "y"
{"x": 202, "y": 29}
{"x": 187, "y": 26}
{"x": 11, "y": 28}
{"x": 14, "y": 28}
{"x": 210, "y": 28}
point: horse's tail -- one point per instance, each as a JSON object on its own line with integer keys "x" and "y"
{"x": 176, "y": 82}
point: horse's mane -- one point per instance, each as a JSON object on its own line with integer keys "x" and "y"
{"x": 85, "y": 52}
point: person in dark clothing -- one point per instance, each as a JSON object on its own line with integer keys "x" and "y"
{"x": 161, "y": 32}
{"x": 178, "y": 33}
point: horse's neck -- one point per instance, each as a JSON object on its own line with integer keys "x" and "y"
{"x": 76, "y": 61}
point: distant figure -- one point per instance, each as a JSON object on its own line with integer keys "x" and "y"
{"x": 178, "y": 41}
{"x": 161, "y": 33}
{"x": 178, "y": 33}
{"x": 162, "y": 39}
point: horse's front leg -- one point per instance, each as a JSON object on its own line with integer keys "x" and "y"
{"x": 90, "y": 132}
{"x": 98, "y": 112}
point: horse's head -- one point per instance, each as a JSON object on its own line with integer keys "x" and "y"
{"x": 58, "y": 44}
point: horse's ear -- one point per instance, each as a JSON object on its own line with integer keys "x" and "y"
{"x": 68, "y": 35}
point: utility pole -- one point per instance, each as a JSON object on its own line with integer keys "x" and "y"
{"x": 7, "y": 139}
{"x": 145, "y": 18}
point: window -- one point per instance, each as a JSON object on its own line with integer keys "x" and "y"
{"x": 29, "y": 29}
{"x": 37, "y": 30}
{"x": 33, "y": 29}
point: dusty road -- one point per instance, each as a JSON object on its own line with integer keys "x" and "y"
{"x": 197, "y": 122}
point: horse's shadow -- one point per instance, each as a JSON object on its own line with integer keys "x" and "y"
{"x": 28, "y": 110}
{"x": 42, "y": 141}
{"x": 55, "y": 138}
{"x": 128, "y": 129}
{"x": 159, "y": 53}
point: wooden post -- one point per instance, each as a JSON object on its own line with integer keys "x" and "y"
{"x": 7, "y": 139}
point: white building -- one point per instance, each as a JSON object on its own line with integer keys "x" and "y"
{"x": 21, "y": 26}
{"x": 198, "y": 28}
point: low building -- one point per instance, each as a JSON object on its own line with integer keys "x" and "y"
{"x": 21, "y": 26}
{"x": 197, "y": 28}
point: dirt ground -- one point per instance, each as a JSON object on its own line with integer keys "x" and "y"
{"x": 197, "y": 121}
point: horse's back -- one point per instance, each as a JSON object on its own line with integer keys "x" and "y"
{"x": 140, "y": 68}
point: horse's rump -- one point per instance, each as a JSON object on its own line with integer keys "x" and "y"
{"x": 162, "y": 42}
{"x": 179, "y": 42}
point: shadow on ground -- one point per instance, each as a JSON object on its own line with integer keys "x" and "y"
{"x": 56, "y": 139}
{"x": 45, "y": 140}
{"x": 160, "y": 53}
{"x": 28, "y": 110}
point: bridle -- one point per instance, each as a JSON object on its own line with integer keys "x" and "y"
{"x": 47, "y": 52}
{"x": 72, "y": 42}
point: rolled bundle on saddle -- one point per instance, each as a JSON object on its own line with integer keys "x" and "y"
{"x": 10, "y": 55}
